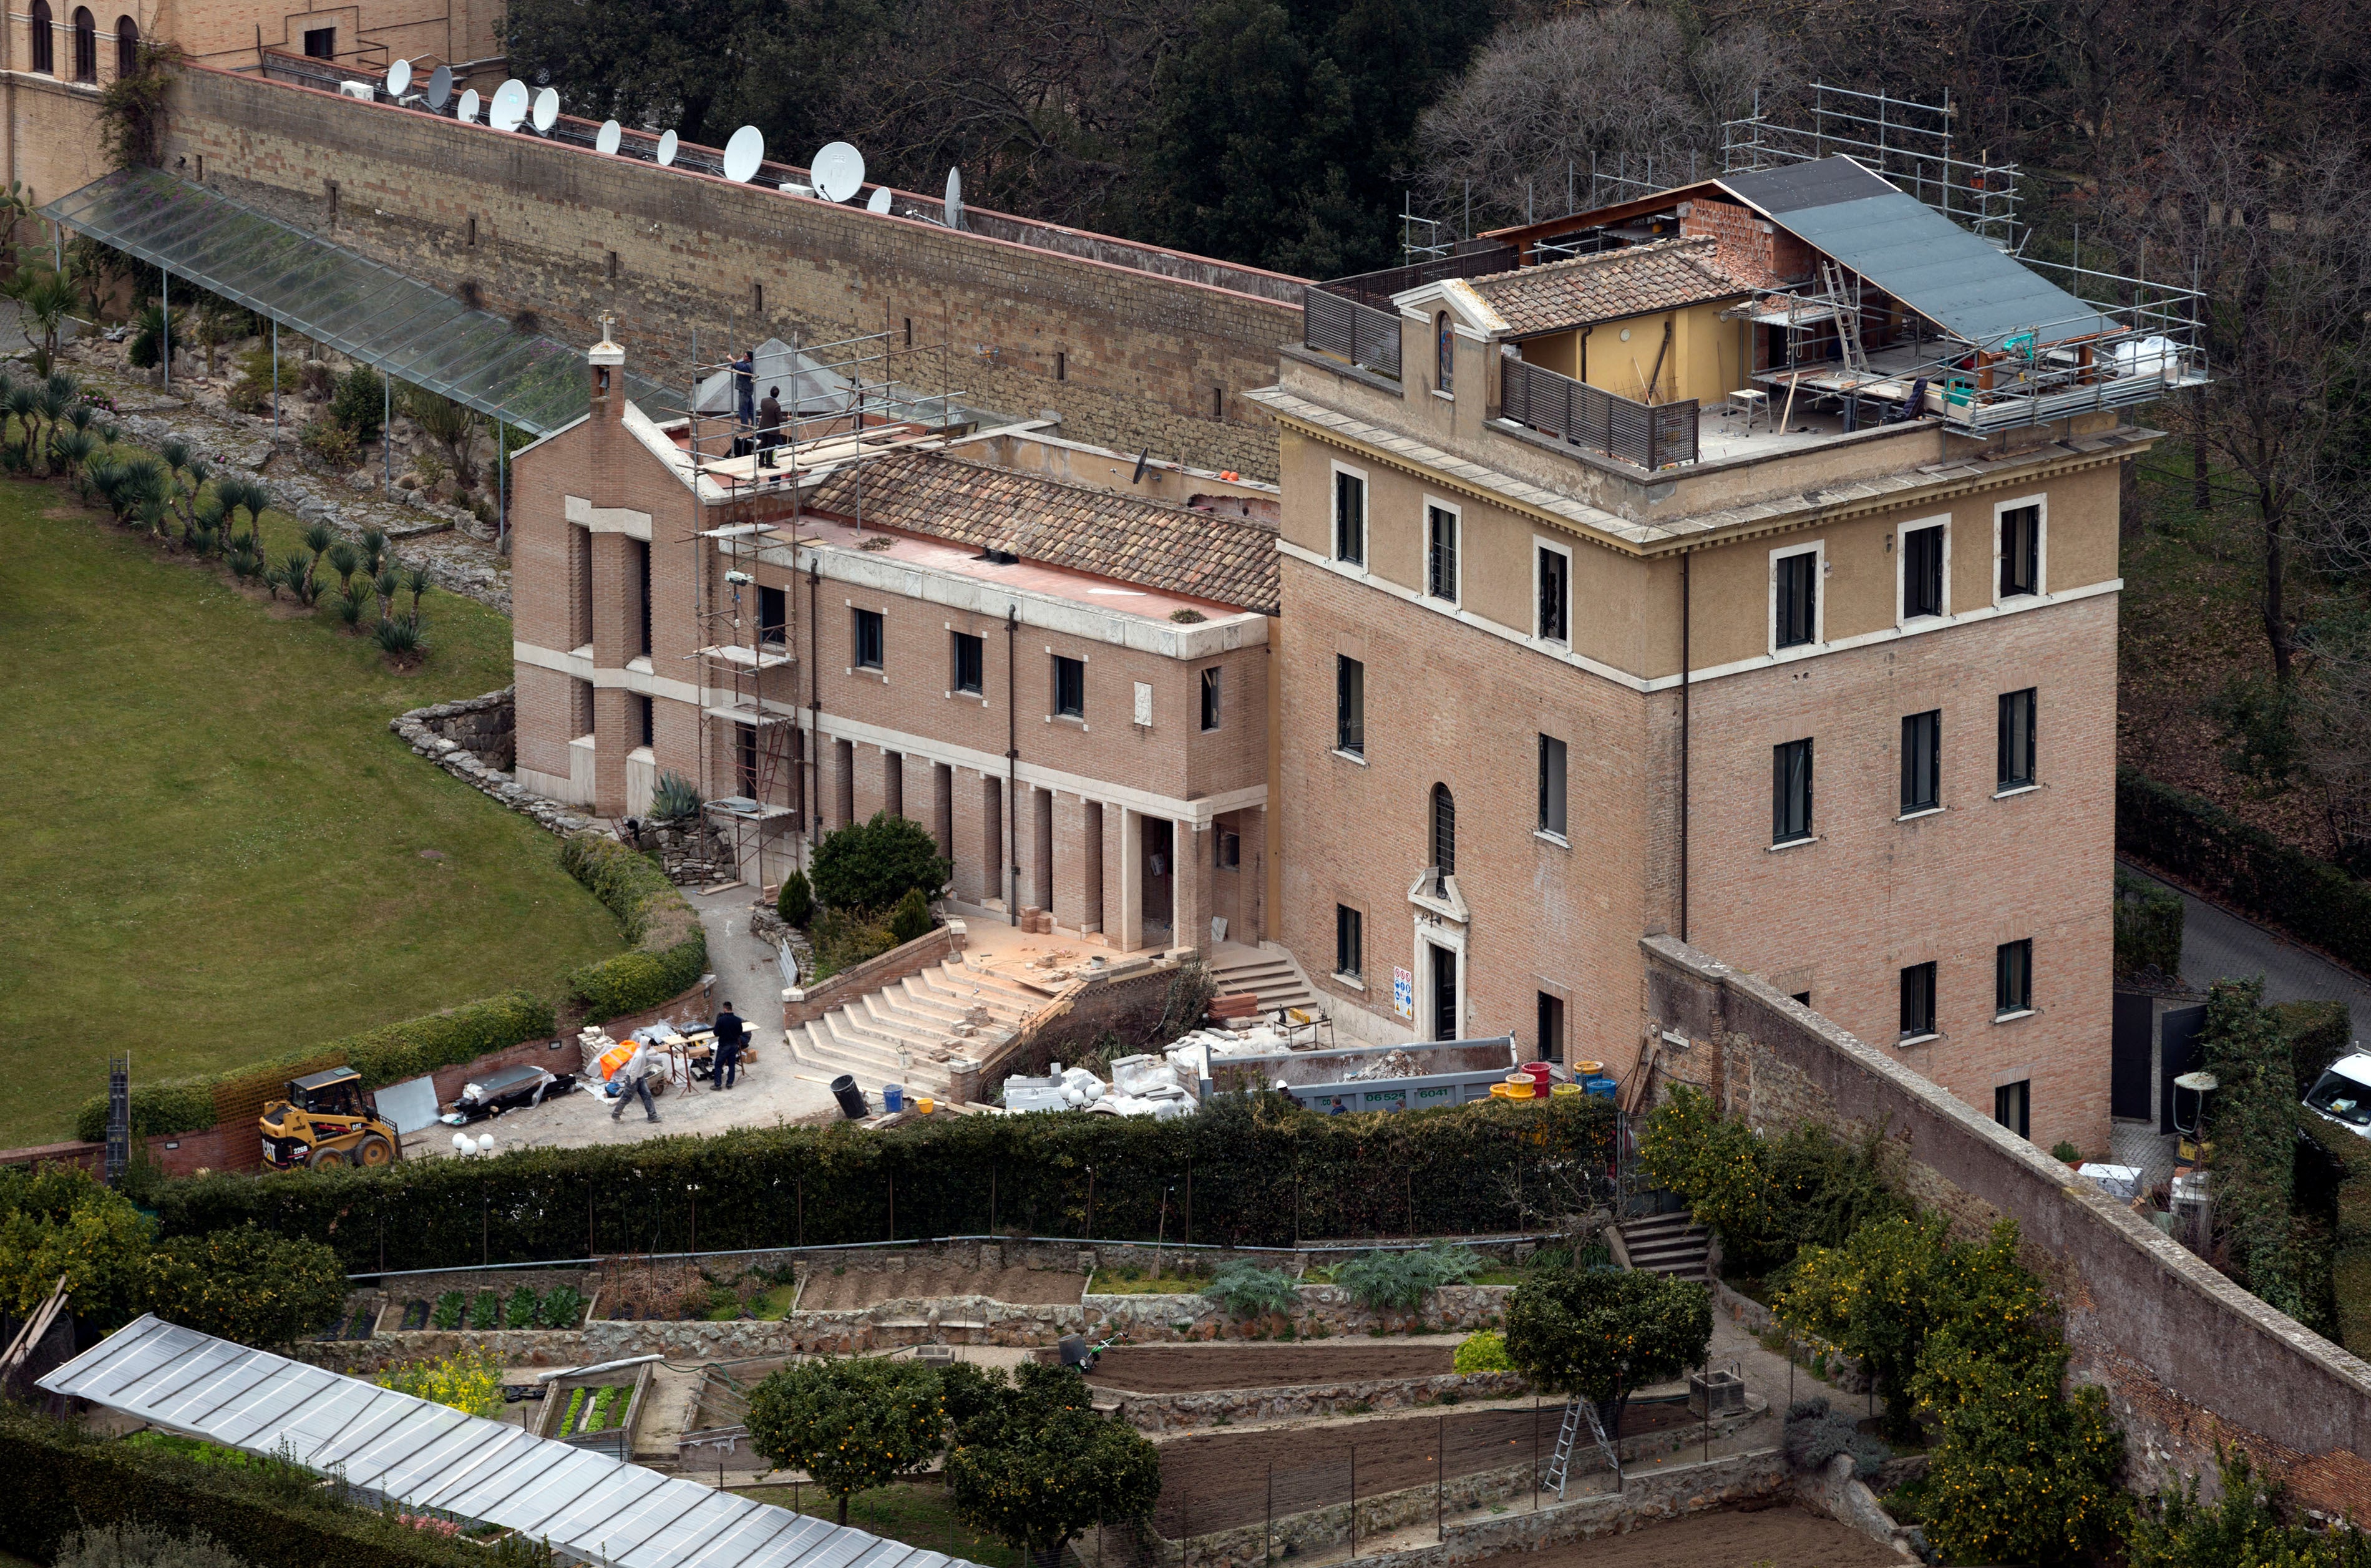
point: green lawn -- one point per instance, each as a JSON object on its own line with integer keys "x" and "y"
{"x": 213, "y": 850}
{"x": 917, "y": 1512}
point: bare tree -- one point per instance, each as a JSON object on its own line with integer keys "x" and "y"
{"x": 1617, "y": 86}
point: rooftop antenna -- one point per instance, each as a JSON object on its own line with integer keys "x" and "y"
{"x": 743, "y": 154}
{"x": 954, "y": 199}
{"x": 667, "y": 148}
{"x": 1142, "y": 458}
{"x": 467, "y": 113}
{"x": 399, "y": 79}
{"x": 838, "y": 172}
{"x": 546, "y": 112}
{"x": 880, "y": 201}
{"x": 440, "y": 88}
{"x": 509, "y": 106}
{"x": 606, "y": 143}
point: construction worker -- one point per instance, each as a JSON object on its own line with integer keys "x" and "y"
{"x": 730, "y": 1035}
{"x": 744, "y": 386}
{"x": 769, "y": 426}
{"x": 634, "y": 1079}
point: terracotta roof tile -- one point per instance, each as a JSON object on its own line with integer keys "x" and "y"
{"x": 1177, "y": 549}
{"x": 1662, "y": 275}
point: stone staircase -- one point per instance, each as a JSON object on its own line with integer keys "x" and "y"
{"x": 1667, "y": 1244}
{"x": 1275, "y": 977}
{"x": 917, "y": 1016}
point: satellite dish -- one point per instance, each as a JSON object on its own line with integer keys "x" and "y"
{"x": 399, "y": 79}
{"x": 666, "y": 147}
{"x": 509, "y": 106}
{"x": 467, "y": 113}
{"x": 955, "y": 198}
{"x": 880, "y": 202}
{"x": 547, "y": 110}
{"x": 838, "y": 171}
{"x": 440, "y": 88}
{"x": 606, "y": 143}
{"x": 744, "y": 154}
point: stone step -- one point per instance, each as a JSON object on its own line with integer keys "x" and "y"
{"x": 828, "y": 1050}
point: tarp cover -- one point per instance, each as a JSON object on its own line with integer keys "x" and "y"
{"x": 586, "y": 1504}
{"x": 369, "y": 313}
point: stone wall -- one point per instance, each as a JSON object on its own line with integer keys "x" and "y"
{"x": 802, "y": 1005}
{"x": 486, "y": 727}
{"x": 1236, "y": 1407}
{"x": 418, "y": 729}
{"x": 2187, "y": 1359}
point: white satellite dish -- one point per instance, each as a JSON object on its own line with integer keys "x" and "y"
{"x": 399, "y": 79}
{"x": 744, "y": 154}
{"x": 467, "y": 113}
{"x": 880, "y": 202}
{"x": 666, "y": 147}
{"x": 838, "y": 171}
{"x": 547, "y": 110}
{"x": 509, "y": 106}
{"x": 440, "y": 88}
{"x": 606, "y": 143}
{"x": 955, "y": 198}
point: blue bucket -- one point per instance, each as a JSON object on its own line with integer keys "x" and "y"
{"x": 1602, "y": 1088}
{"x": 893, "y": 1097}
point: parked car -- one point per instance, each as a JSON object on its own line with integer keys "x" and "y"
{"x": 2343, "y": 1093}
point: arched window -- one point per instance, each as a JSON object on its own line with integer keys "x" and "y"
{"x": 85, "y": 45}
{"x": 1444, "y": 831}
{"x": 1444, "y": 353}
{"x": 127, "y": 47}
{"x": 45, "y": 46}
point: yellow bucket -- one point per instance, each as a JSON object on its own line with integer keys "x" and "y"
{"x": 923, "y": 1104}
{"x": 1513, "y": 1089}
{"x": 1588, "y": 1069}
{"x": 1563, "y": 1089}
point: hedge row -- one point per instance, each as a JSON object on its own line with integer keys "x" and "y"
{"x": 2148, "y": 926}
{"x": 670, "y": 947}
{"x": 2350, "y": 1271}
{"x": 2203, "y": 844}
{"x": 1247, "y": 1170}
{"x": 388, "y": 1054}
{"x": 61, "y": 1479}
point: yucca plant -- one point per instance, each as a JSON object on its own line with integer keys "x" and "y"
{"x": 54, "y": 401}
{"x": 351, "y": 605}
{"x": 74, "y": 449}
{"x": 82, "y": 415}
{"x": 25, "y": 408}
{"x": 345, "y": 561}
{"x": 205, "y": 523}
{"x": 244, "y": 559}
{"x": 318, "y": 538}
{"x": 400, "y": 639}
{"x": 373, "y": 551}
{"x": 297, "y": 578}
{"x": 416, "y": 583}
{"x": 389, "y": 582}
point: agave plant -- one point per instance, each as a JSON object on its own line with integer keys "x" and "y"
{"x": 400, "y": 638}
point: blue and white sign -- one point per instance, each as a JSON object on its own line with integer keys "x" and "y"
{"x": 1403, "y": 993}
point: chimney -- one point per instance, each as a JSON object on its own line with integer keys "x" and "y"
{"x": 608, "y": 370}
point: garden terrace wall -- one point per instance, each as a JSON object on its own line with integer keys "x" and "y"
{"x": 2186, "y": 1358}
{"x": 802, "y": 1005}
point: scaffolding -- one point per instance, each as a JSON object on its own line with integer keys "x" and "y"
{"x": 1911, "y": 144}
{"x": 847, "y": 401}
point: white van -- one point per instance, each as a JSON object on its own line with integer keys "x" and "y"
{"x": 2343, "y": 1093}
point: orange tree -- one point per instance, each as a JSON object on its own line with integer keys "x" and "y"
{"x": 852, "y": 1425}
{"x": 247, "y": 1284}
{"x": 1596, "y": 1333}
{"x": 1035, "y": 1466}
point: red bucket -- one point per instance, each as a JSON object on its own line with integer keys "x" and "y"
{"x": 1540, "y": 1082}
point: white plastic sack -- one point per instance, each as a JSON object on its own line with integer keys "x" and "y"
{"x": 1143, "y": 1074}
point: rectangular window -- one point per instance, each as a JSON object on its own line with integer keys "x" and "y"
{"x": 1349, "y": 518}
{"x": 612, "y": 268}
{"x": 1069, "y": 687}
{"x": 1349, "y": 941}
{"x": 1551, "y": 1028}
{"x": 641, "y": 557}
{"x": 1918, "y": 1000}
{"x": 1922, "y": 573}
{"x": 2013, "y": 1107}
{"x": 1790, "y": 792}
{"x": 2017, "y": 739}
{"x": 969, "y": 665}
{"x": 1555, "y": 607}
{"x": 1552, "y": 784}
{"x": 1796, "y": 614}
{"x": 1210, "y": 698}
{"x": 1441, "y": 553}
{"x": 2013, "y": 977}
{"x": 1922, "y": 761}
{"x": 649, "y": 715}
{"x": 1226, "y": 850}
{"x": 2020, "y": 551}
{"x": 868, "y": 639}
{"x": 773, "y": 615}
{"x": 1061, "y": 365}
{"x": 1349, "y": 706}
{"x": 320, "y": 43}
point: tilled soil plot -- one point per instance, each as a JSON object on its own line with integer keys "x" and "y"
{"x": 1774, "y": 1538}
{"x": 1181, "y": 1370}
{"x": 1221, "y": 1480}
{"x": 826, "y": 1291}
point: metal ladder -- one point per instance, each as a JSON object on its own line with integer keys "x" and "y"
{"x": 1848, "y": 314}
{"x": 1560, "y": 1467}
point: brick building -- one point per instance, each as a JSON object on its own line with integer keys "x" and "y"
{"x": 1052, "y": 657}
{"x": 1717, "y": 581}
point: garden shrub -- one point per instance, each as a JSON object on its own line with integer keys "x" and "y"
{"x": 134, "y": 1544}
{"x": 2148, "y": 928}
{"x": 2250, "y": 1524}
{"x": 1399, "y": 1280}
{"x": 247, "y": 1285}
{"x": 670, "y": 946}
{"x": 360, "y": 404}
{"x": 1597, "y": 1334}
{"x": 795, "y": 903}
{"x": 1483, "y": 1352}
{"x": 2319, "y": 1032}
{"x": 911, "y": 918}
{"x": 1035, "y": 1466}
{"x": 852, "y": 1425}
{"x": 159, "y": 1110}
{"x": 870, "y": 866}
{"x": 470, "y": 1380}
{"x": 1248, "y": 1290}
{"x": 2251, "y": 1122}
{"x": 843, "y": 939}
{"x": 1814, "y": 1435}
{"x": 1767, "y": 1198}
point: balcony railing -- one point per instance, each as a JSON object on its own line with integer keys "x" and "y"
{"x": 1652, "y": 435}
{"x": 1335, "y": 324}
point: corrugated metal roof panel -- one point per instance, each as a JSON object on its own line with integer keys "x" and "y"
{"x": 585, "y": 1504}
{"x": 1789, "y": 188}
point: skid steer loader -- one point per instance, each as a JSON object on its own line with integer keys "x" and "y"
{"x": 326, "y": 1121}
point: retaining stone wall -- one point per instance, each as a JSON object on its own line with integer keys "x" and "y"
{"x": 418, "y": 730}
{"x": 1234, "y": 1407}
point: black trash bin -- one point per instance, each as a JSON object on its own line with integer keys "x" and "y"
{"x": 850, "y": 1098}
